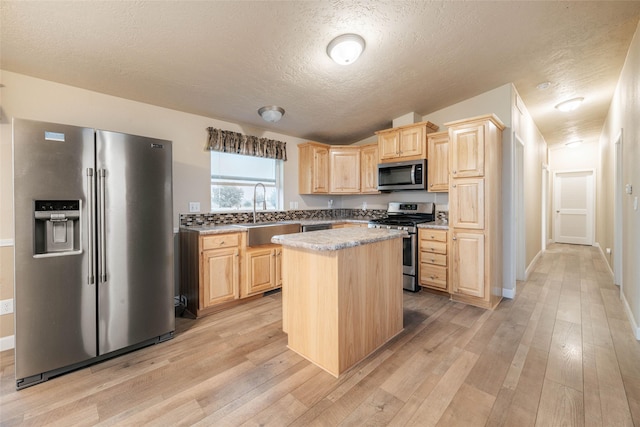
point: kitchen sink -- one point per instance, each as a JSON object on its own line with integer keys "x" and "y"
{"x": 261, "y": 233}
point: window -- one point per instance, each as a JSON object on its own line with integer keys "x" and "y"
{"x": 234, "y": 176}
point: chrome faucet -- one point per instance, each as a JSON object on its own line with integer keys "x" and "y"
{"x": 264, "y": 199}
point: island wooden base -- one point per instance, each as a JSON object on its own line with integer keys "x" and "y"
{"x": 340, "y": 306}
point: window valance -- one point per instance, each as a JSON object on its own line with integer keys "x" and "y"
{"x": 237, "y": 143}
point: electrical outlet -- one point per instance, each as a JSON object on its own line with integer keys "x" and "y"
{"x": 194, "y": 206}
{"x": 6, "y": 306}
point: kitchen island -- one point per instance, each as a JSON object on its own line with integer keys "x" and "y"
{"x": 341, "y": 293}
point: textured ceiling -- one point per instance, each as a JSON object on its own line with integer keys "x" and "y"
{"x": 226, "y": 59}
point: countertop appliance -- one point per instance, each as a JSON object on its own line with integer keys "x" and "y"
{"x": 406, "y": 216}
{"x": 398, "y": 176}
{"x": 93, "y": 246}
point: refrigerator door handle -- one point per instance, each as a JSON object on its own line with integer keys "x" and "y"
{"x": 102, "y": 266}
{"x": 91, "y": 224}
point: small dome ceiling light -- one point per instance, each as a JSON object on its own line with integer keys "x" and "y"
{"x": 543, "y": 85}
{"x": 271, "y": 113}
{"x": 346, "y": 49}
{"x": 570, "y": 105}
{"x": 574, "y": 143}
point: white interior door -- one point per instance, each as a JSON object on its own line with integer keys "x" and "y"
{"x": 573, "y": 207}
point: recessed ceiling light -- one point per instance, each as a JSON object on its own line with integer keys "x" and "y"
{"x": 271, "y": 113}
{"x": 345, "y": 49}
{"x": 570, "y": 105}
{"x": 543, "y": 85}
{"x": 573, "y": 143}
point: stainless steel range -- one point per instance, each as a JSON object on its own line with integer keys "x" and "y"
{"x": 407, "y": 216}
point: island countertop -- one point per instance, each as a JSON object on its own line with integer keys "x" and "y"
{"x": 333, "y": 240}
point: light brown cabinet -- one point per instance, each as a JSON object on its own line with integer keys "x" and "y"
{"x": 262, "y": 270}
{"x": 325, "y": 169}
{"x": 220, "y": 273}
{"x": 216, "y": 271}
{"x": 433, "y": 259}
{"x": 369, "y": 159}
{"x": 210, "y": 269}
{"x": 438, "y": 167}
{"x": 344, "y": 170}
{"x": 475, "y": 210}
{"x": 405, "y": 142}
{"x": 313, "y": 168}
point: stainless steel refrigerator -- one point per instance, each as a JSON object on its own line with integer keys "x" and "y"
{"x": 93, "y": 246}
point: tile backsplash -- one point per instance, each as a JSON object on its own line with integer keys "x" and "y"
{"x": 212, "y": 218}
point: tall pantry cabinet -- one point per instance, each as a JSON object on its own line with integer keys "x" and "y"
{"x": 475, "y": 210}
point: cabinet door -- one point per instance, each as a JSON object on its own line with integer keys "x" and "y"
{"x": 220, "y": 276}
{"x": 467, "y": 263}
{"x": 261, "y": 274}
{"x": 369, "y": 169}
{"x": 467, "y": 151}
{"x": 466, "y": 203}
{"x": 413, "y": 142}
{"x": 344, "y": 170}
{"x": 320, "y": 173}
{"x": 438, "y": 168}
{"x": 389, "y": 144}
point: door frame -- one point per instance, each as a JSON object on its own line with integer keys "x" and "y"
{"x": 518, "y": 208}
{"x": 618, "y": 189}
{"x": 590, "y": 204}
{"x": 545, "y": 207}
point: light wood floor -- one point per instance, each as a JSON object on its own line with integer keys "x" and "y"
{"x": 561, "y": 353}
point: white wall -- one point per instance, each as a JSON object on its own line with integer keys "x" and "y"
{"x": 623, "y": 114}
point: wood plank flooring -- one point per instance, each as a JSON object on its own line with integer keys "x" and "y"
{"x": 561, "y": 353}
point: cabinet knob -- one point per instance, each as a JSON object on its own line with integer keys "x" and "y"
{"x": 455, "y": 172}
{"x": 433, "y": 260}
{"x": 454, "y": 186}
{"x": 222, "y": 243}
{"x": 431, "y": 185}
{"x": 432, "y": 277}
{"x": 454, "y": 238}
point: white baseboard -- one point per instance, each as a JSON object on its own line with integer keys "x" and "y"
{"x": 604, "y": 257}
{"x": 532, "y": 265}
{"x": 508, "y": 293}
{"x": 632, "y": 320}
{"x": 7, "y": 343}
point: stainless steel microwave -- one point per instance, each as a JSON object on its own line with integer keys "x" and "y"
{"x": 408, "y": 175}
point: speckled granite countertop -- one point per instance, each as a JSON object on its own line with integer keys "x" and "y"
{"x": 235, "y": 228}
{"x": 438, "y": 225}
{"x": 333, "y": 240}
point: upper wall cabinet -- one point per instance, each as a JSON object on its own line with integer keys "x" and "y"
{"x": 344, "y": 169}
{"x": 404, "y": 143}
{"x": 313, "y": 168}
{"x": 438, "y": 168}
{"x": 338, "y": 169}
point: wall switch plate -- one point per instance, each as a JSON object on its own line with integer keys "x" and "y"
{"x": 194, "y": 206}
{"x": 6, "y": 306}
{"x": 628, "y": 188}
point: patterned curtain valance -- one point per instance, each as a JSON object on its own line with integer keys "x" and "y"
{"x": 237, "y": 143}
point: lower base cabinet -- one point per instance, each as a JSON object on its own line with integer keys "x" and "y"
{"x": 218, "y": 270}
{"x": 433, "y": 259}
{"x": 263, "y": 266}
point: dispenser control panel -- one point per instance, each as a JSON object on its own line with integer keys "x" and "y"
{"x": 57, "y": 205}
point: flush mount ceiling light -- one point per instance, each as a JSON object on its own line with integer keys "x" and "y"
{"x": 543, "y": 85}
{"x": 345, "y": 49}
{"x": 271, "y": 113}
{"x": 570, "y": 105}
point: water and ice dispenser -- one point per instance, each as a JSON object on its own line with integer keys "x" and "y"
{"x": 57, "y": 226}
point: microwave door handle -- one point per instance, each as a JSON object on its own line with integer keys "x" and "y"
{"x": 413, "y": 174}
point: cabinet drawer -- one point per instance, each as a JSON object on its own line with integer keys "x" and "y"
{"x": 437, "y": 235}
{"x": 433, "y": 258}
{"x": 433, "y": 276}
{"x": 220, "y": 241}
{"x": 431, "y": 246}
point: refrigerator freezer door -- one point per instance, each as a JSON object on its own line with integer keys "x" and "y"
{"x": 135, "y": 293}
{"x": 55, "y": 309}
